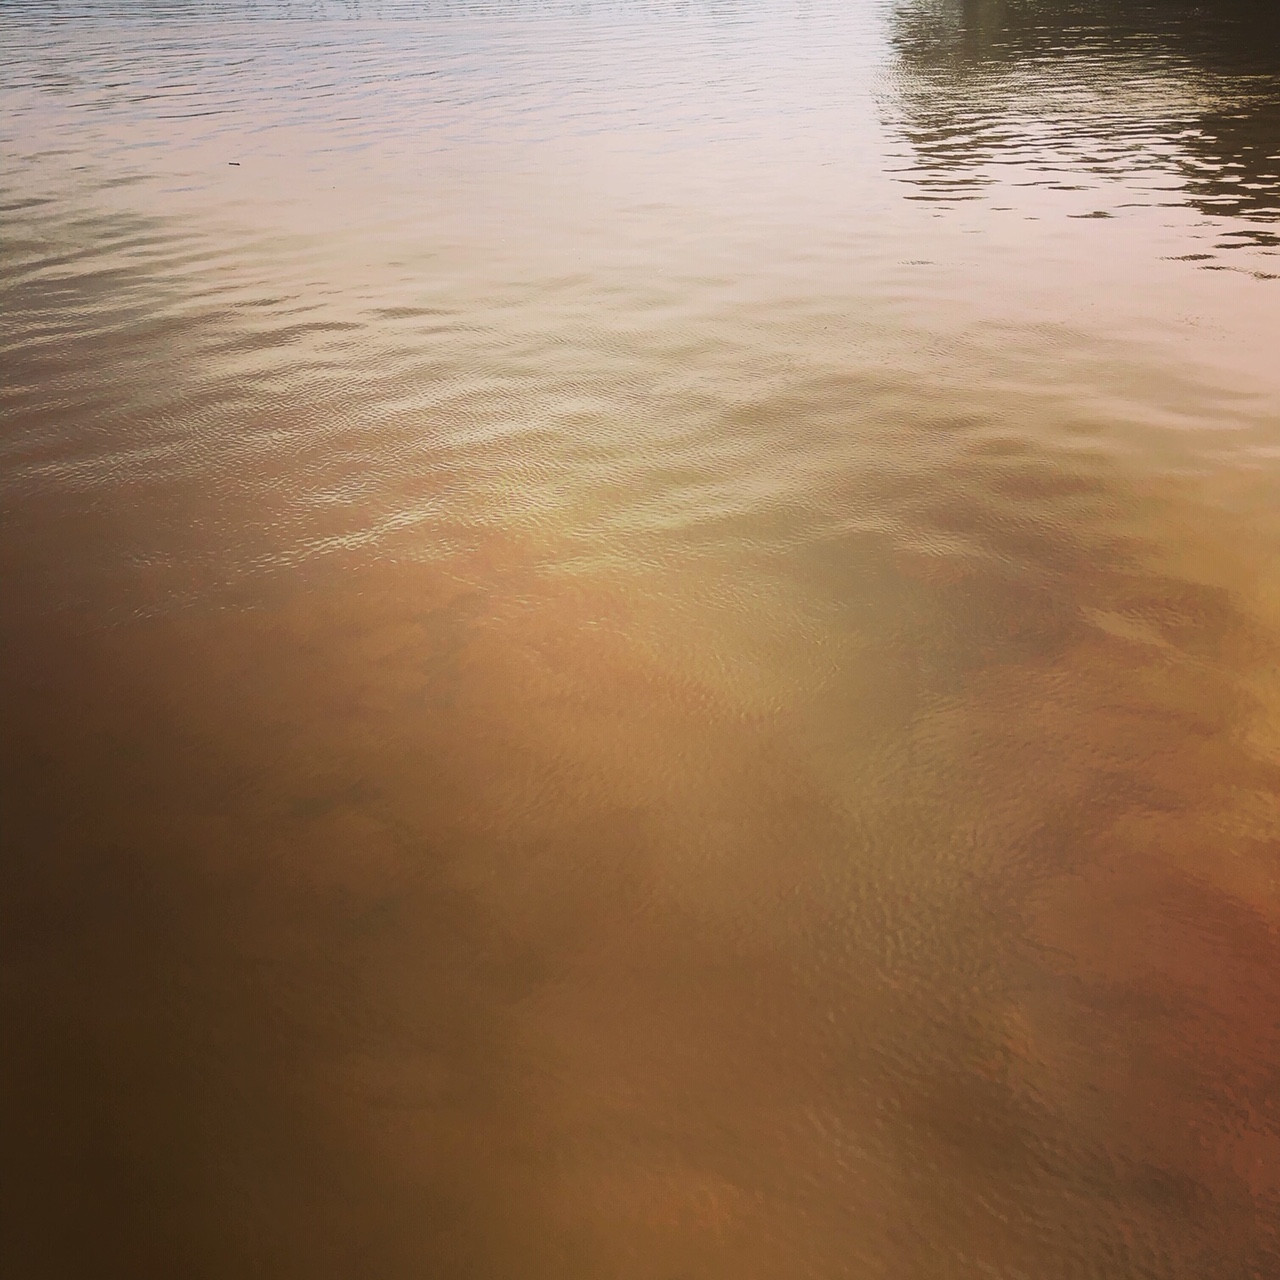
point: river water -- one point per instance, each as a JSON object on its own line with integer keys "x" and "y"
{"x": 639, "y": 640}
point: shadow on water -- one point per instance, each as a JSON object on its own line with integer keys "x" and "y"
{"x": 1144, "y": 103}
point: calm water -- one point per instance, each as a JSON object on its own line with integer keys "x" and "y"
{"x": 639, "y": 641}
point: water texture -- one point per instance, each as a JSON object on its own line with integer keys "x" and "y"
{"x": 639, "y": 640}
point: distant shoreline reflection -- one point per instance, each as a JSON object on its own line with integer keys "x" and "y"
{"x": 1128, "y": 104}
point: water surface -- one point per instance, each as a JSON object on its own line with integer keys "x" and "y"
{"x": 640, "y": 640}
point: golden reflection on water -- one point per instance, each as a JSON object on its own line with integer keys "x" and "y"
{"x": 438, "y": 921}
{"x": 727, "y": 734}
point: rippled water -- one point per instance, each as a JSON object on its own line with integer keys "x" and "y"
{"x": 640, "y": 640}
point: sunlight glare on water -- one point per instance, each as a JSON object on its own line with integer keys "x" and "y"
{"x": 639, "y": 640}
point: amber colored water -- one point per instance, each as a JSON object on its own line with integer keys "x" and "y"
{"x": 640, "y": 641}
